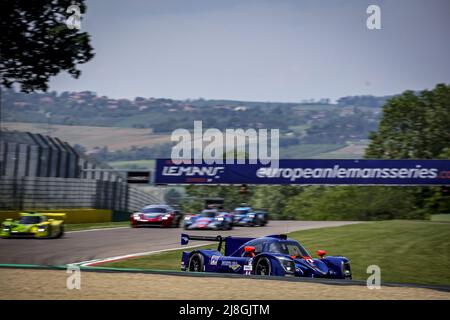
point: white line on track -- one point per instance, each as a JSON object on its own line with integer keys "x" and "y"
{"x": 132, "y": 255}
{"x": 98, "y": 229}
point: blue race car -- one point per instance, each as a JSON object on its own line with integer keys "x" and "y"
{"x": 209, "y": 219}
{"x": 247, "y": 217}
{"x": 274, "y": 255}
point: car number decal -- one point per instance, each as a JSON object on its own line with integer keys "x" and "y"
{"x": 214, "y": 260}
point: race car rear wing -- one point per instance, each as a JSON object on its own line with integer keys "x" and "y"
{"x": 56, "y": 216}
{"x": 185, "y": 238}
{"x": 50, "y": 215}
{"x": 231, "y": 243}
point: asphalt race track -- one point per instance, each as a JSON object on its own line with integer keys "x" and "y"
{"x": 80, "y": 246}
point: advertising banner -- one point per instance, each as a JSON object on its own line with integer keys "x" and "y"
{"x": 307, "y": 172}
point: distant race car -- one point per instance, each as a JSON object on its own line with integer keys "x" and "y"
{"x": 246, "y": 216}
{"x": 273, "y": 255}
{"x": 34, "y": 225}
{"x": 156, "y": 215}
{"x": 209, "y": 219}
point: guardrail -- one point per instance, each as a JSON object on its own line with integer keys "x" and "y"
{"x": 42, "y": 192}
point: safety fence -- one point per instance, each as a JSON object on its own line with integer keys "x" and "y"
{"x": 27, "y": 193}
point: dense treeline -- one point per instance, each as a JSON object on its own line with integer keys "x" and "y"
{"x": 321, "y": 123}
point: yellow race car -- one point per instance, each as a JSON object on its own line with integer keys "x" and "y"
{"x": 34, "y": 225}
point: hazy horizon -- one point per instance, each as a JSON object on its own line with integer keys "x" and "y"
{"x": 283, "y": 51}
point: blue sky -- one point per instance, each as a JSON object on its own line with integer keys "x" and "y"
{"x": 261, "y": 50}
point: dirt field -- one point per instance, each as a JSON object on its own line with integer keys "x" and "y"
{"x": 49, "y": 284}
{"x": 90, "y": 137}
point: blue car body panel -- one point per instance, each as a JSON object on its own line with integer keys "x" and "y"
{"x": 234, "y": 259}
{"x": 211, "y": 221}
{"x": 246, "y": 216}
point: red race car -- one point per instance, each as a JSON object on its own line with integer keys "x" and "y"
{"x": 156, "y": 215}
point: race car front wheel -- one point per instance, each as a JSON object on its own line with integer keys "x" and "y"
{"x": 263, "y": 267}
{"x": 196, "y": 263}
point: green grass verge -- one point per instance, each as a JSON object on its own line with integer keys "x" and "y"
{"x": 99, "y": 225}
{"x": 406, "y": 251}
{"x": 132, "y": 164}
{"x": 440, "y": 217}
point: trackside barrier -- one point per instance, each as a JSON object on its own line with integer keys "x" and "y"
{"x": 43, "y": 193}
{"x": 72, "y": 215}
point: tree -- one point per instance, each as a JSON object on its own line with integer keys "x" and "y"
{"x": 35, "y": 43}
{"x": 413, "y": 126}
{"x": 353, "y": 203}
{"x": 172, "y": 196}
{"x": 230, "y": 194}
{"x": 275, "y": 198}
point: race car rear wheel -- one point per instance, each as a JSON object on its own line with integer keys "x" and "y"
{"x": 226, "y": 226}
{"x": 49, "y": 231}
{"x": 263, "y": 267}
{"x": 61, "y": 232}
{"x": 196, "y": 263}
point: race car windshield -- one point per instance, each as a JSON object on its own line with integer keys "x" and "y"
{"x": 154, "y": 210}
{"x": 208, "y": 214}
{"x": 288, "y": 248}
{"x": 29, "y": 220}
{"x": 245, "y": 211}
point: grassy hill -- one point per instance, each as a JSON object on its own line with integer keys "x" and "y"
{"x": 92, "y": 136}
{"x": 120, "y": 138}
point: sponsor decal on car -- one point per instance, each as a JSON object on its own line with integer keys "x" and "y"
{"x": 235, "y": 266}
{"x": 214, "y": 260}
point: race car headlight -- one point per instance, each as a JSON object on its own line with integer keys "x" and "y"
{"x": 288, "y": 264}
{"x": 6, "y": 228}
{"x": 220, "y": 219}
{"x": 187, "y": 218}
{"x": 251, "y": 215}
{"x": 41, "y": 228}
